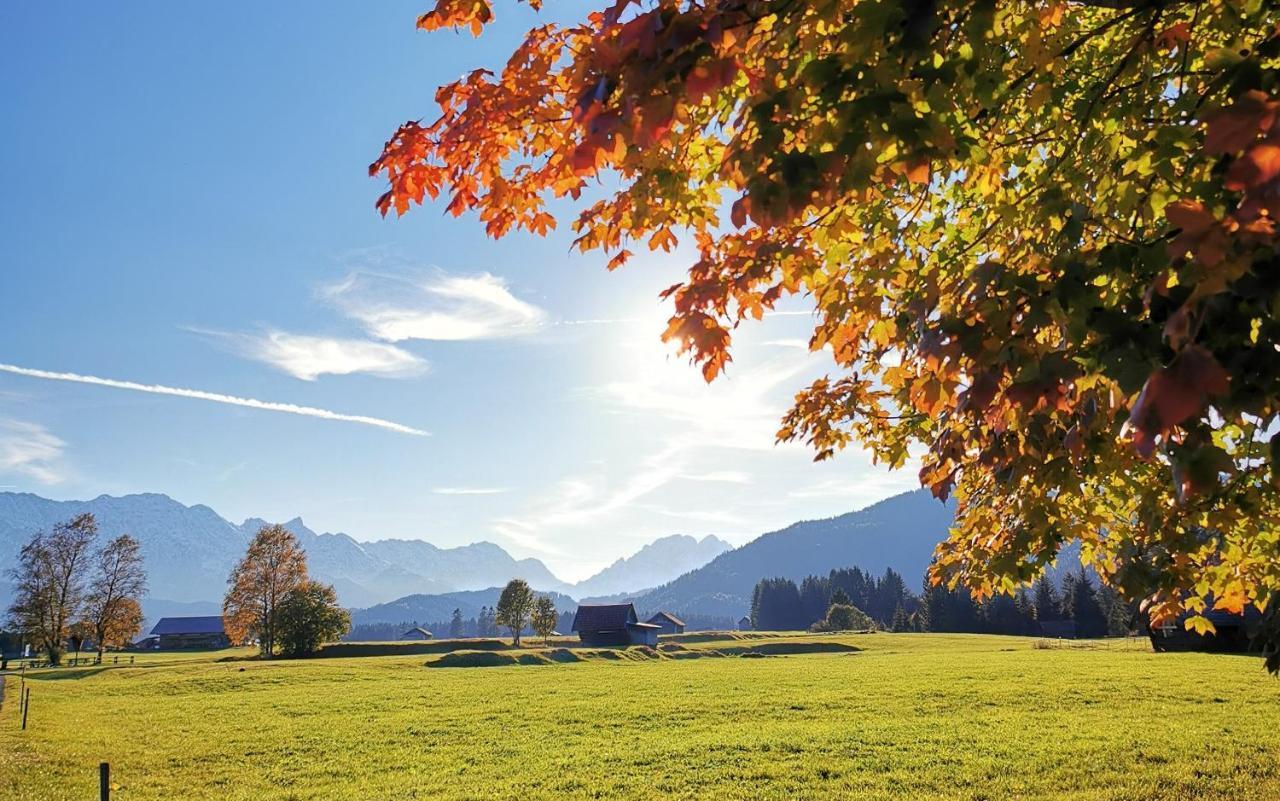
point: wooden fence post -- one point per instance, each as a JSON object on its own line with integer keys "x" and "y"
{"x": 26, "y": 708}
{"x": 104, "y": 781}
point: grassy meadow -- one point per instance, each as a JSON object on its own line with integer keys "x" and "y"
{"x": 903, "y": 716}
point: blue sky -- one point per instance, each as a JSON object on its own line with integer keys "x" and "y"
{"x": 184, "y": 205}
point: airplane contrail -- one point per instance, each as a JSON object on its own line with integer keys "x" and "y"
{"x": 215, "y": 397}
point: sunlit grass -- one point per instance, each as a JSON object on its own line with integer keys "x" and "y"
{"x": 910, "y": 716}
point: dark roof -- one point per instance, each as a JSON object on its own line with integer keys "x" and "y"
{"x": 417, "y": 630}
{"x": 604, "y": 617}
{"x": 209, "y": 624}
{"x": 1058, "y": 628}
{"x": 668, "y": 617}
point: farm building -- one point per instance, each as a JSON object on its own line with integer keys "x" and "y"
{"x": 667, "y": 623}
{"x": 417, "y": 633}
{"x": 744, "y": 623}
{"x": 613, "y": 624}
{"x": 1062, "y": 629}
{"x": 190, "y": 632}
{"x": 1231, "y": 635}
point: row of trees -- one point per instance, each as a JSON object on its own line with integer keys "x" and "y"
{"x": 271, "y": 599}
{"x": 778, "y": 604}
{"x": 852, "y": 599}
{"x": 69, "y": 590}
{"x": 1090, "y": 609}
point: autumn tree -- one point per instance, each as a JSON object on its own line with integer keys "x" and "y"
{"x": 272, "y": 567}
{"x": 307, "y": 617}
{"x": 544, "y": 617}
{"x": 514, "y": 607}
{"x": 49, "y": 584}
{"x": 1038, "y": 240}
{"x": 112, "y": 605}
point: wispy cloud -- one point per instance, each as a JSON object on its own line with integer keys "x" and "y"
{"x": 226, "y": 474}
{"x": 215, "y": 397}
{"x": 720, "y": 477}
{"x": 873, "y": 486}
{"x": 29, "y": 449}
{"x": 468, "y": 490}
{"x": 434, "y": 305}
{"x": 794, "y": 343}
{"x": 309, "y": 357}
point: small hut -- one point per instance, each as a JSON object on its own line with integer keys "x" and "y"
{"x": 667, "y": 623}
{"x": 1231, "y": 632}
{"x": 744, "y": 623}
{"x": 417, "y": 633}
{"x": 613, "y": 624}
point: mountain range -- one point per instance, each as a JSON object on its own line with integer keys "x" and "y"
{"x": 190, "y": 550}
{"x": 899, "y": 532}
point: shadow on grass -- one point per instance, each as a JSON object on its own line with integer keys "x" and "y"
{"x": 62, "y": 674}
{"x": 509, "y": 658}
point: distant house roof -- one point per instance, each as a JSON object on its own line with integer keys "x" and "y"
{"x": 605, "y": 617}
{"x": 417, "y": 631}
{"x": 1058, "y": 628}
{"x": 208, "y": 624}
{"x": 667, "y": 616}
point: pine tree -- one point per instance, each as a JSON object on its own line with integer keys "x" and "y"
{"x": 1085, "y": 609}
{"x": 455, "y": 624}
{"x": 901, "y": 620}
{"x": 1045, "y": 599}
{"x": 1118, "y": 613}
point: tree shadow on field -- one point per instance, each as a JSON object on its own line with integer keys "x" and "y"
{"x": 62, "y": 674}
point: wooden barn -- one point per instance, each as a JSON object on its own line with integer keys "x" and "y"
{"x": 173, "y": 633}
{"x": 1232, "y": 633}
{"x": 667, "y": 623}
{"x": 744, "y": 623}
{"x": 417, "y": 633}
{"x": 613, "y": 624}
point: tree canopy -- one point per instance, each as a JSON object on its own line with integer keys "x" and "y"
{"x": 309, "y": 616}
{"x": 1038, "y": 238}
{"x": 273, "y": 566}
{"x": 515, "y": 605}
{"x": 49, "y": 584}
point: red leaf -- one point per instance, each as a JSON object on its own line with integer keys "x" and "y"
{"x": 1233, "y": 128}
{"x": 1260, "y": 165}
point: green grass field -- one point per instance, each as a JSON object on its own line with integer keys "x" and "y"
{"x": 906, "y": 716}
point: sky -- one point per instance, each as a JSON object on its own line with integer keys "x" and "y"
{"x": 199, "y": 299}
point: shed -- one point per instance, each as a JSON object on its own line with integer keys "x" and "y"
{"x": 1061, "y": 629}
{"x": 1231, "y": 635}
{"x": 744, "y": 623}
{"x": 417, "y": 633}
{"x": 667, "y": 623}
{"x": 205, "y": 631}
{"x": 613, "y": 624}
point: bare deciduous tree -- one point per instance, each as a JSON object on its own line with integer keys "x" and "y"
{"x": 112, "y": 608}
{"x": 49, "y": 583}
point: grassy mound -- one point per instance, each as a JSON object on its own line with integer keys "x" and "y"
{"x": 353, "y": 649}
{"x": 488, "y": 659}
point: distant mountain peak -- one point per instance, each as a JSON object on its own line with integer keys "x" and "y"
{"x": 655, "y": 563}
